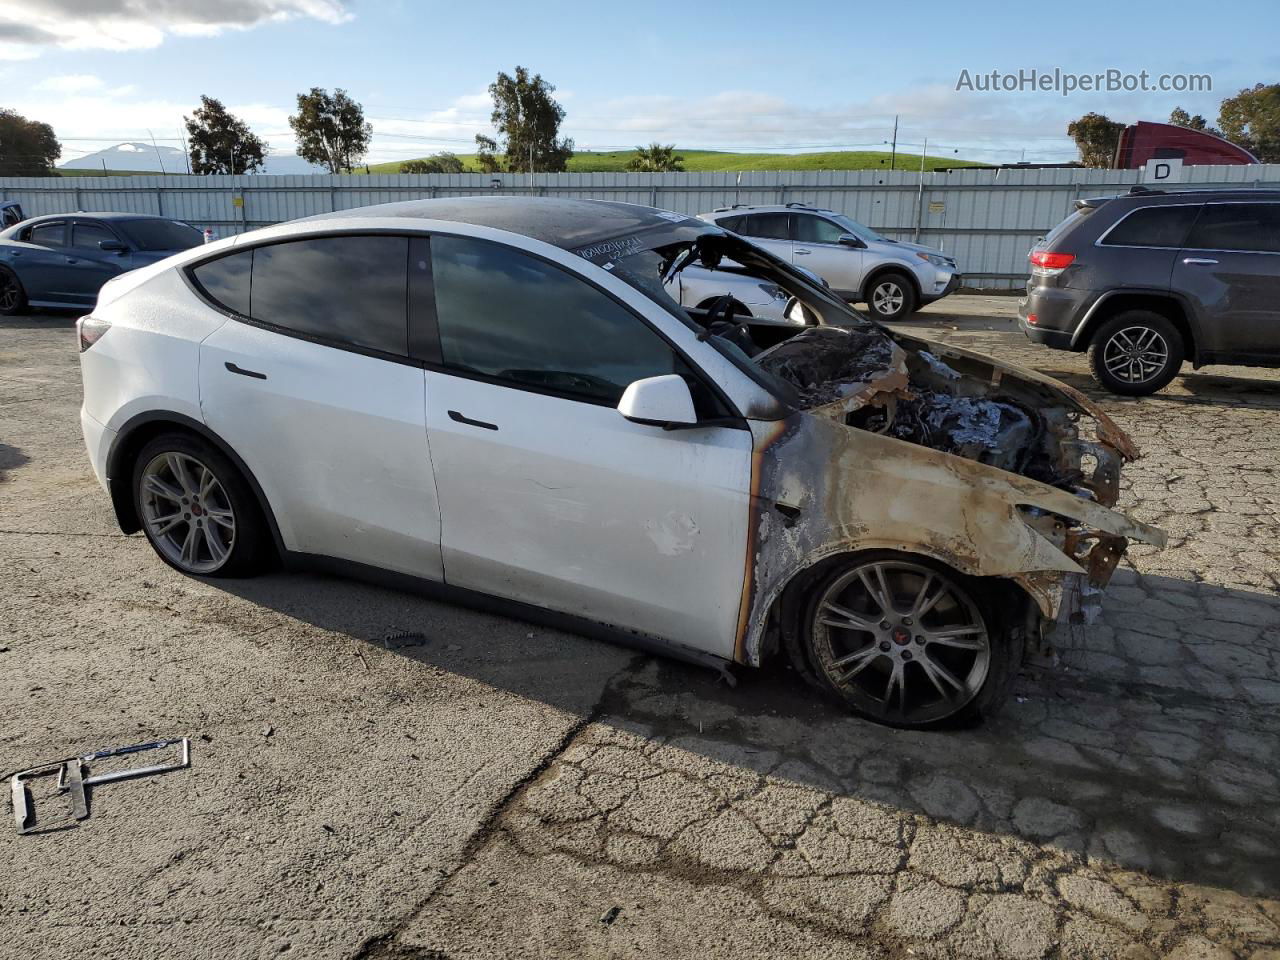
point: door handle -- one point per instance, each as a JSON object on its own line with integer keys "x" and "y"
{"x": 72, "y": 260}
{"x": 1199, "y": 262}
{"x": 456, "y": 417}
{"x": 245, "y": 373}
{"x": 803, "y": 252}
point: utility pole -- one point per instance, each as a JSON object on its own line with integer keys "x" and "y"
{"x": 920, "y": 195}
{"x": 157, "y": 150}
{"x": 893, "y": 152}
{"x": 186, "y": 154}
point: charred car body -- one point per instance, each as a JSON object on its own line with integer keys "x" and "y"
{"x": 902, "y": 519}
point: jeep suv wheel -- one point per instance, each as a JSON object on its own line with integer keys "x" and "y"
{"x": 1135, "y": 353}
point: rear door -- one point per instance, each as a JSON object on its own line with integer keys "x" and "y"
{"x": 769, "y": 230}
{"x": 310, "y": 383}
{"x": 42, "y": 265}
{"x": 817, "y": 248}
{"x": 1230, "y": 268}
{"x": 549, "y": 495}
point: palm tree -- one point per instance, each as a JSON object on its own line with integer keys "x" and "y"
{"x": 656, "y": 158}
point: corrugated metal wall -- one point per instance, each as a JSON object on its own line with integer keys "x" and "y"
{"x": 988, "y": 219}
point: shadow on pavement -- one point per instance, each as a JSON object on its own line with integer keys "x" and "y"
{"x": 1160, "y": 771}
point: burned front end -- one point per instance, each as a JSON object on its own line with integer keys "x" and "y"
{"x": 899, "y": 444}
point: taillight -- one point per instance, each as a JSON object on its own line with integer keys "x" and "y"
{"x": 90, "y": 330}
{"x": 1052, "y": 261}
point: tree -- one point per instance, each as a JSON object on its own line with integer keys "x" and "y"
{"x": 331, "y": 129}
{"x": 444, "y": 162}
{"x": 1097, "y": 137}
{"x": 220, "y": 142}
{"x": 656, "y": 158}
{"x": 527, "y": 120}
{"x": 1252, "y": 119}
{"x": 1180, "y": 118}
{"x": 28, "y": 148}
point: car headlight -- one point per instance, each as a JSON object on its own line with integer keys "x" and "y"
{"x": 946, "y": 263}
{"x": 774, "y": 291}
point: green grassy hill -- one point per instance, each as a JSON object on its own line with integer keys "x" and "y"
{"x": 715, "y": 161}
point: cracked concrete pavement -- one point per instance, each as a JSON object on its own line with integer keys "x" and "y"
{"x": 378, "y": 775}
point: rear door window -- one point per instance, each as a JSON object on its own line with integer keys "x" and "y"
{"x": 1252, "y": 227}
{"x": 1153, "y": 227}
{"x": 48, "y": 234}
{"x": 523, "y": 322}
{"x": 349, "y": 290}
{"x": 225, "y": 281}
{"x": 766, "y": 226}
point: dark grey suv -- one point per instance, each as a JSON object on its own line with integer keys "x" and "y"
{"x": 1147, "y": 280}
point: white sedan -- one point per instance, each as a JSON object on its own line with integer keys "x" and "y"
{"x": 499, "y": 397}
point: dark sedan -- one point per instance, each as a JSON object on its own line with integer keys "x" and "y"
{"x": 63, "y": 260}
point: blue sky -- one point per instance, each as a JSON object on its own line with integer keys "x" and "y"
{"x": 749, "y": 75}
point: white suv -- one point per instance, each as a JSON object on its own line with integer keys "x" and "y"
{"x": 892, "y": 277}
{"x": 497, "y": 396}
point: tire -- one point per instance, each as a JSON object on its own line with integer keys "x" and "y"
{"x": 1135, "y": 353}
{"x": 221, "y": 532}
{"x": 890, "y": 296}
{"x": 13, "y": 299}
{"x": 947, "y": 656}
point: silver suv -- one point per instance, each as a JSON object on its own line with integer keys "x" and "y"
{"x": 892, "y": 277}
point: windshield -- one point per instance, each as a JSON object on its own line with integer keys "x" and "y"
{"x": 858, "y": 230}
{"x": 161, "y": 234}
{"x": 650, "y": 261}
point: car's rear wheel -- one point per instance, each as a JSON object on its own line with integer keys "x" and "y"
{"x": 908, "y": 642}
{"x": 13, "y": 299}
{"x": 1135, "y": 353}
{"x": 891, "y": 297}
{"x": 196, "y": 509}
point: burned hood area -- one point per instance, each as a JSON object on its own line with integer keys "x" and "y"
{"x": 952, "y": 402}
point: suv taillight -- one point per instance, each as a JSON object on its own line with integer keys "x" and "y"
{"x": 1051, "y": 261}
{"x": 90, "y": 330}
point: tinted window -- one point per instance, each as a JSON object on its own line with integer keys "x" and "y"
{"x": 226, "y": 280}
{"x": 1238, "y": 226}
{"x": 161, "y": 234}
{"x": 811, "y": 229}
{"x": 769, "y": 226}
{"x": 732, "y": 224}
{"x": 349, "y": 289}
{"x": 1153, "y": 227}
{"x": 48, "y": 234}
{"x": 508, "y": 315}
{"x": 89, "y": 235}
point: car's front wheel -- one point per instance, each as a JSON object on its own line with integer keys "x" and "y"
{"x": 1135, "y": 353}
{"x": 891, "y": 297}
{"x": 909, "y": 643}
{"x": 196, "y": 509}
{"x": 13, "y": 299}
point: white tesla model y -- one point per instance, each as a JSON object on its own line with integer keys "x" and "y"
{"x": 499, "y": 397}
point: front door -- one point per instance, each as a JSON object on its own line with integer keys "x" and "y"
{"x": 1230, "y": 268}
{"x": 818, "y": 249}
{"x": 550, "y": 496}
{"x": 316, "y": 395}
{"x": 89, "y": 265}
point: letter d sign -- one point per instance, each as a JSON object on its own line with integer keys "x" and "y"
{"x": 1162, "y": 171}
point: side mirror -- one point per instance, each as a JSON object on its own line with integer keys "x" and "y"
{"x": 663, "y": 401}
{"x": 849, "y": 240}
{"x": 112, "y": 246}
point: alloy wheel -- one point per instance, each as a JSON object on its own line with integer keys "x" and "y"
{"x": 187, "y": 512}
{"x": 887, "y": 297}
{"x": 10, "y": 292}
{"x": 903, "y": 642}
{"x": 1135, "y": 354}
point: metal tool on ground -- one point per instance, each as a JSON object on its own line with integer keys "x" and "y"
{"x": 72, "y": 779}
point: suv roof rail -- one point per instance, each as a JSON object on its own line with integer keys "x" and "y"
{"x": 1139, "y": 188}
{"x": 734, "y": 206}
{"x": 798, "y": 203}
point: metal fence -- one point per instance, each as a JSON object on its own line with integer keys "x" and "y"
{"x": 987, "y": 219}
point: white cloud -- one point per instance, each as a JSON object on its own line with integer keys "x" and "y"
{"x": 70, "y": 83}
{"x": 27, "y": 25}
